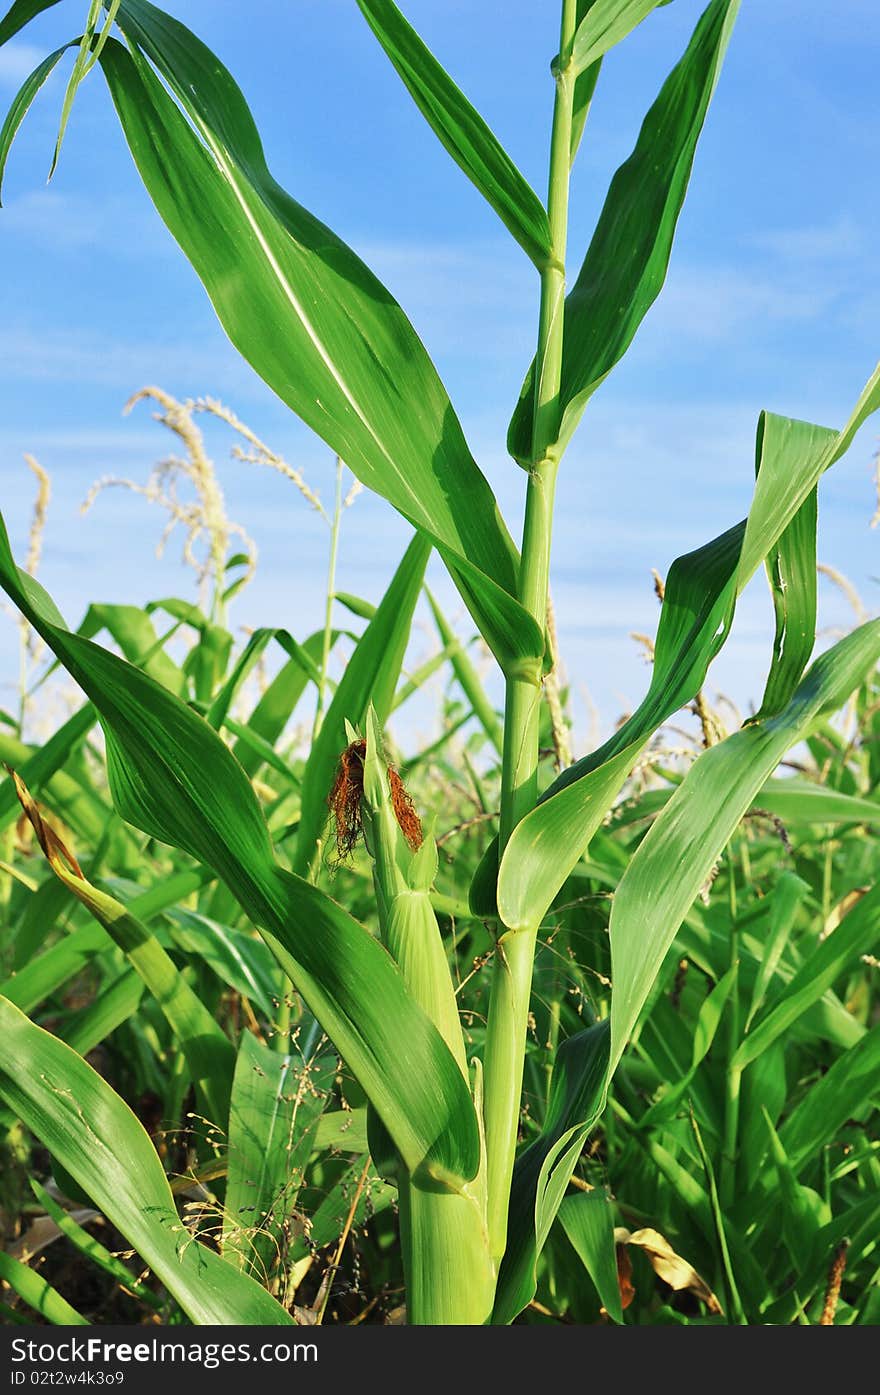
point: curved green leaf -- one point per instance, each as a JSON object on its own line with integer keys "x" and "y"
{"x": 791, "y": 571}
{"x": 801, "y": 801}
{"x": 277, "y": 703}
{"x": 33, "y": 1289}
{"x": 461, "y": 130}
{"x": 95, "y": 1136}
{"x": 542, "y": 1170}
{"x": 587, "y": 1221}
{"x": 848, "y": 1087}
{"x": 343, "y": 355}
{"x": 858, "y": 933}
{"x": 22, "y": 100}
{"x": 606, "y": 23}
{"x": 695, "y": 619}
{"x": 20, "y": 14}
{"x": 172, "y": 776}
{"x": 276, "y": 1105}
{"x": 680, "y": 849}
{"x": 370, "y": 676}
{"x": 132, "y": 629}
{"x": 205, "y": 1047}
{"x": 628, "y": 257}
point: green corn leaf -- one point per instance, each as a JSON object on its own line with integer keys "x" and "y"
{"x": 342, "y": 1131}
{"x": 133, "y": 631}
{"x": 238, "y": 959}
{"x": 278, "y": 702}
{"x": 628, "y": 257}
{"x": 803, "y": 1213}
{"x": 467, "y": 676}
{"x": 707, "y": 1024}
{"x": 93, "y": 1250}
{"x": 40, "y": 976}
{"x": 206, "y": 1049}
{"x": 584, "y": 89}
{"x": 21, "y": 103}
{"x": 461, "y": 130}
{"x": 344, "y": 356}
{"x": 277, "y": 1101}
{"x": 365, "y": 610}
{"x": 172, "y": 776}
{"x": 542, "y": 1171}
{"x": 20, "y": 14}
{"x": 764, "y": 1089}
{"x": 88, "y": 51}
{"x": 680, "y": 849}
{"x": 606, "y": 23}
{"x": 257, "y": 643}
{"x": 844, "y": 1092}
{"x": 334, "y": 1207}
{"x": 587, "y": 1221}
{"x": 791, "y": 570}
{"x": 43, "y": 768}
{"x": 370, "y": 676}
{"x": 115, "y": 1005}
{"x": 93, "y": 1133}
{"x": 33, "y": 1289}
{"x": 800, "y": 801}
{"x": 547, "y": 843}
{"x": 790, "y": 471}
{"x": 858, "y": 933}
{"x": 788, "y": 893}
{"x": 33, "y": 984}
{"x": 695, "y": 619}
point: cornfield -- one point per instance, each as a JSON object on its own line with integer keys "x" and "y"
{"x": 301, "y": 1027}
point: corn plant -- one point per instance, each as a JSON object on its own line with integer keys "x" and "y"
{"x": 319, "y": 328}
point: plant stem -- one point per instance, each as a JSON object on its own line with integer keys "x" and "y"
{"x": 514, "y": 960}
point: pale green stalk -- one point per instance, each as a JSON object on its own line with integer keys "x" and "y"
{"x": 514, "y": 959}
{"x": 448, "y": 1270}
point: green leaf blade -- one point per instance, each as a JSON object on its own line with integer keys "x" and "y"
{"x": 95, "y": 1136}
{"x": 628, "y": 257}
{"x": 461, "y": 130}
{"x": 345, "y": 358}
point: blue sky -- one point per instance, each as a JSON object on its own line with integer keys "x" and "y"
{"x": 773, "y": 300}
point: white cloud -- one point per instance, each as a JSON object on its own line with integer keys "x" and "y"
{"x": 839, "y": 240}
{"x": 711, "y": 304}
{"x": 83, "y": 356}
{"x": 17, "y": 61}
{"x": 67, "y": 223}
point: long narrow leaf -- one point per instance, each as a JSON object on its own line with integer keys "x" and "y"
{"x": 858, "y": 933}
{"x": 606, "y": 23}
{"x": 343, "y": 354}
{"x": 22, "y": 100}
{"x": 20, "y": 14}
{"x": 628, "y": 257}
{"x": 680, "y": 849}
{"x": 370, "y": 676}
{"x": 95, "y": 1136}
{"x": 461, "y": 129}
{"x": 695, "y": 619}
{"x": 172, "y": 776}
